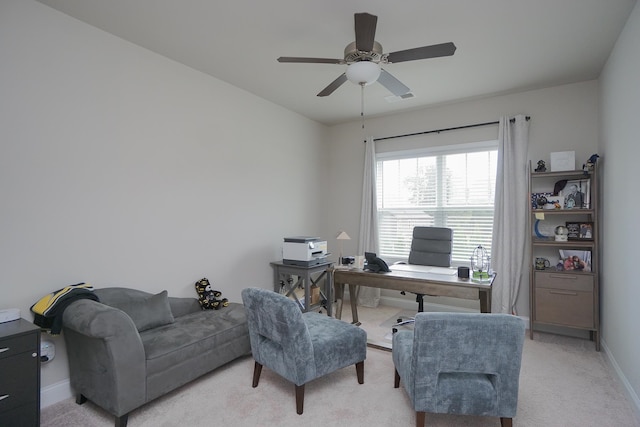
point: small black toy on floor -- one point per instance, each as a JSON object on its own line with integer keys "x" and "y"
{"x": 209, "y": 298}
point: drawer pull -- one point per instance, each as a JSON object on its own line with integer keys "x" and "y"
{"x": 4, "y": 396}
{"x": 563, "y": 276}
{"x": 2, "y": 350}
{"x": 563, "y": 293}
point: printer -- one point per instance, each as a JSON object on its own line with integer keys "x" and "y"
{"x": 304, "y": 251}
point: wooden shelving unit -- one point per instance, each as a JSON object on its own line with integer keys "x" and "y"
{"x": 565, "y": 298}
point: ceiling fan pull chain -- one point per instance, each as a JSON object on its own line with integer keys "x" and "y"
{"x": 362, "y": 103}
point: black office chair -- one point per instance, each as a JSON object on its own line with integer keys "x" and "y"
{"x": 430, "y": 246}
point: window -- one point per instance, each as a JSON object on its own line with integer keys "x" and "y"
{"x": 442, "y": 187}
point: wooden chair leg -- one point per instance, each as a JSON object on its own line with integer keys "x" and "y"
{"x": 420, "y": 416}
{"x": 396, "y": 380}
{"x": 506, "y": 422}
{"x": 257, "y": 370}
{"x": 299, "y": 399}
{"x": 360, "y": 372}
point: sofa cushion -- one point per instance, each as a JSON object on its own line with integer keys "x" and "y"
{"x": 193, "y": 335}
{"x": 146, "y": 310}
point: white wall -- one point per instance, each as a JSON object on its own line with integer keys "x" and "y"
{"x": 121, "y": 167}
{"x": 620, "y": 146}
{"x": 562, "y": 118}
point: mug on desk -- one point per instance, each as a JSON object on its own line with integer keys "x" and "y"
{"x": 542, "y": 263}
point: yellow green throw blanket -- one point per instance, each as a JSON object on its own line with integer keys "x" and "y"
{"x": 47, "y": 312}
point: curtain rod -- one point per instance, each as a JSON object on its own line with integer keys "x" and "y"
{"x": 444, "y": 130}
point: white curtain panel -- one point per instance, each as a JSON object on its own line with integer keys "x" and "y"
{"x": 509, "y": 243}
{"x": 368, "y": 237}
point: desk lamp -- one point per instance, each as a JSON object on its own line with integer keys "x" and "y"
{"x": 342, "y": 236}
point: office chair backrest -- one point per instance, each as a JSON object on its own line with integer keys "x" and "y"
{"x": 431, "y": 246}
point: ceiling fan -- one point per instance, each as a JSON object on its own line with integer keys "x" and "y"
{"x": 364, "y": 58}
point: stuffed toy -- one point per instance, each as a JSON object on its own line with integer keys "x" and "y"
{"x": 207, "y": 297}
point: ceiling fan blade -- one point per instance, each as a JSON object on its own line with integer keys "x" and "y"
{"x": 310, "y": 60}
{"x": 424, "y": 52}
{"x": 394, "y": 85}
{"x": 365, "y": 25}
{"x": 333, "y": 85}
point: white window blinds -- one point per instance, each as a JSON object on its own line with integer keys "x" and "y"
{"x": 442, "y": 187}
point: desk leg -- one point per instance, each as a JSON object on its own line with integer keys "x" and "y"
{"x": 339, "y": 290}
{"x": 353, "y": 297}
{"x": 328, "y": 283}
{"x": 485, "y": 301}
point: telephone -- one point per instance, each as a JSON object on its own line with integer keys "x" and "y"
{"x": 375, "y": 264}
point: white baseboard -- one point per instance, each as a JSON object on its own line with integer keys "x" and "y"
{"x": 55, "y": 393}
{"x": 631, "y": 393}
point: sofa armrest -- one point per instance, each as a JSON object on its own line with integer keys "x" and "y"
{"x": 106, "y": 356}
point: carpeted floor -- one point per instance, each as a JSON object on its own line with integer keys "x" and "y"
{"x": 563, "y": 382}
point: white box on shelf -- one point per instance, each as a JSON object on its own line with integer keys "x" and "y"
{"x": 563, "y": 161}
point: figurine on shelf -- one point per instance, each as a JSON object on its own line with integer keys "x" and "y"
{"x": 591, "y": 163}
{"x": 541, "y": 166}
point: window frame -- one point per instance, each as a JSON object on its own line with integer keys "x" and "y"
{"x": 463, "y": 148}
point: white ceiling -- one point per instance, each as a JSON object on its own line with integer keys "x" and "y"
{"x": 503, "y": 46}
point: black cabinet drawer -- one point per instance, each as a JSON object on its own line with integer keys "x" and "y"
{"x": 25, "y": 415}
{"x": 19, "y": 383}
{"x": 19, "y": 344}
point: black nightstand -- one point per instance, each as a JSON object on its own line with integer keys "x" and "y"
{"x": 20, "y": 374}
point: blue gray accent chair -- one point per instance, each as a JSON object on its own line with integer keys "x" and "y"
{"x": 461, "y": 363}
{"x": 298, "y": 346}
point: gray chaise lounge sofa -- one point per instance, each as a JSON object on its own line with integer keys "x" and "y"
{"x": 133, "y": 346}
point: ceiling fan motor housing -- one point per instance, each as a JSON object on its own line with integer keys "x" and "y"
{"x": 351, "y": 54}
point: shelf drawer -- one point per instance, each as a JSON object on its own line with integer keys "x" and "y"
{"x": 565, "y": 307}
{"x": 581, "y": 282}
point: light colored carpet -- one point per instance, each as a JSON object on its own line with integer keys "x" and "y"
{"x": 563, "y": 382}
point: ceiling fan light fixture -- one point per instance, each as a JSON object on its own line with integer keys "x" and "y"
{"x": 363, "y": 72}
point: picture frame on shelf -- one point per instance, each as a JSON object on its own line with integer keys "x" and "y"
{"x": 573, "y": 260}
{"x": 586, "y": 230}
{"x": 577, "y": 194}
{"x": 580, "y": 230}
{"x": 563, "y": 161}
{"x": 573, "y": 230}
